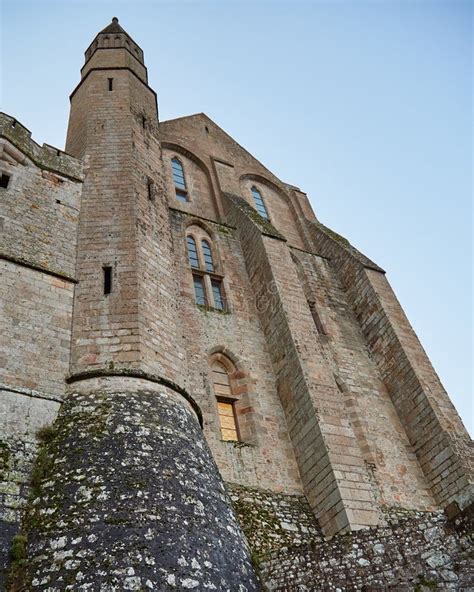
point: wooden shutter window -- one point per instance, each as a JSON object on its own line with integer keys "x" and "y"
{"x": 225, "y": 404}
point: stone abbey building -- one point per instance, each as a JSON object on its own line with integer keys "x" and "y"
{"x": 202, "y": 387}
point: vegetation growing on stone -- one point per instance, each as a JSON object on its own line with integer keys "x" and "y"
{"x": 18, "y": 560}
{"x": 4, "y": 459}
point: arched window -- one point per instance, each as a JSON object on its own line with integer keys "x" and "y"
{"x": 208, "y": 283}
{"x": 206, "y": 251}
{"x": 192, "y": 252}
{"x": 225, "y": 402}
{"x": 259, "y": 203}
{"x": 179, "y": 179}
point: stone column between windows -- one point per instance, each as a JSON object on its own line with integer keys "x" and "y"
{"x": 329, "y": 459}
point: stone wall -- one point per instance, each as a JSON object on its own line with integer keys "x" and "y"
{"x": 330, "y": 463}
{"x": 126, "y": 496}
{"x": 394, "y": 469}
{"x": 39, "y": 211}
{"x": 23, "y": 413}
{"x": 272, "y": 521}
{"x": 265, "y": 456}
{"x": 415, "y": 552}
{"x": 35, "y": 328}
{"x": 434, "y": 429}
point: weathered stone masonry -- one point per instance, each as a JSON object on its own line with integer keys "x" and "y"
{"x": 130, "y": 497}
{"x": 114, "y": 471}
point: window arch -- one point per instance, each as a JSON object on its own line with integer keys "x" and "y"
{"x": 208, "y": 284}
{"x": 179, "y": 179}
{"x": 259, "y": 203}
{"x": 192, "y": 251}
{"x": 226, "y": 400}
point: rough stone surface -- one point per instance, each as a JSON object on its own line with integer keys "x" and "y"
{"x": 22, "y": 415}
{"x": 416, "y": 551}
{"x": 128, "y": 496}
{"x": 341, "y": 419}
{"x": 271, "y": 521}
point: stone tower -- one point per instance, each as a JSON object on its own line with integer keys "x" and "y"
{"x": 194, "y": 324}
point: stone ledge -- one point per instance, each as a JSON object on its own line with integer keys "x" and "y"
{"x": 29, "y": 392}
{"x": 344, "y": 244}
{"x": 136, "y": 373}
{"x": 36, "y": 267}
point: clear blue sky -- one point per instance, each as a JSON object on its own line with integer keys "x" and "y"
{"x": 364, "y": 105}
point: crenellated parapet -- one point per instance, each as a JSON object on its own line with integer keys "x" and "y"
{"x": 45, "y": 157}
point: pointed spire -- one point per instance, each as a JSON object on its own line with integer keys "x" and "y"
{"x": 115, "y": 37}
{"x": 114, "y": 27}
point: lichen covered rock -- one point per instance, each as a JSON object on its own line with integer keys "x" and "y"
{"x": 128, "y": 497}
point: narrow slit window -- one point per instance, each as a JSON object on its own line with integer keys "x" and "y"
{"x": 217, "y": 294}
{"x": 206, "y": 251}
{"x": 111, "y": 83}
{"x": 317, "y": 319}
{"x": 179, "y": 180}
{"x": 4, "y": 180}
{"x": 199, "y": 290}
{"x": 259, "y": 203}
{"x": 192, "y": 252}
{"x": 107, "y": 280}
{"x": 151, "y": 196}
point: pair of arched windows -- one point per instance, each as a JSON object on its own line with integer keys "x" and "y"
{"x": 182, "y": 194}
{"x": 222, "y": 382}
{"x": 207, "y": 283}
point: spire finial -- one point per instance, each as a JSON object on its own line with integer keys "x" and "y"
{"x": 115, "y": 20}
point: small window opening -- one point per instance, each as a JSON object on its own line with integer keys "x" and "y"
{"x": 107, "y": 280}
{"x": 317, "y": 319}
{"x": 4, "y": 180}
{"x": 143, "y": 122}
{"x": 14, "y": 123}
{"x": 181, "y": 195}
{"x": 206, "y": 128}
{"x": 111, "y": 83}
{"x": 151, "y": 193}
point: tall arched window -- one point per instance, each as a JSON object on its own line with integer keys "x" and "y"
{"x": 207, "y": 253}
{"x": 259, "y": 203}
{"x": 192, "y": 252}
{"x": 225, "y": 402}
{"x": 207, "y": 281}
{"x": 179, "y": 179}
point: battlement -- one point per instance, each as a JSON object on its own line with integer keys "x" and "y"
{"x": 45, "y": 157}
